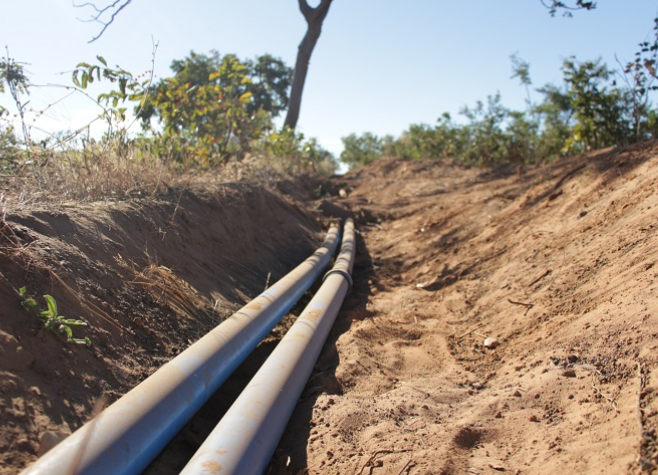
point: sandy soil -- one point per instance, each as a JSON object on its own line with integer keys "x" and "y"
{"x": 557, "y": 264}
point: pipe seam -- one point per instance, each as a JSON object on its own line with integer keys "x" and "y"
{"x": 345, "y": 274}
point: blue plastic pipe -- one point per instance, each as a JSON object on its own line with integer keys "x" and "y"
{"x": 130, "y": 433}
{"x": 245, "y": 439}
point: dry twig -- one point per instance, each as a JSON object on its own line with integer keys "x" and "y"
{"x": 548, "y": 271}
{"x": 380, "y": 452}
{"x": 472, "y": 330}
{"x": 528, "y": 306}
{"x": 408, "y": 464}
{"x": 604, "y": 396}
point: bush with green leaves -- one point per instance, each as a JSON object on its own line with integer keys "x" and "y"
{"x": 587, "y": 111}
{"x": 291, "y": 153}
{"x": 424, "y": 141}
{"x": 10, "y": 152}
{"x": 361, "y": 149}
{"x": 14, "y": 78}
{"x": 51, "y": 318}
{"x": 209, "y": 111}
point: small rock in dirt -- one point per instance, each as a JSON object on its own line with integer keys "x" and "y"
{"x": 533, "y": 418}
{"x": 496, "y": 467}
{"x": 50, "y": 439}
{"x": 582, "y": 214}
{"x": 491, "y": 343}
{"x": 569, "y": 373}
{"x": 342, "y": 193}
{"x": 428, "y": 284}
{"x": 517, "y": 393}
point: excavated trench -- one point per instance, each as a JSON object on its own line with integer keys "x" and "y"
{"x": 558, "y": 264}
{"x": 149, "y": 277}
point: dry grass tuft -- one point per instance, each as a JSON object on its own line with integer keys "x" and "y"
{"x": 165, "y": 286}
{"x": 98, "y": 171}
{"x": 118, "y": 169}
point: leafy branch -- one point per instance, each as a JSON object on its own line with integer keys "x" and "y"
{"x": 555, "y": 5}
{"x": 13, "y": 75}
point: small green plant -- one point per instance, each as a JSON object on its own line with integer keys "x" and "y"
{"x": 51, "y": 318}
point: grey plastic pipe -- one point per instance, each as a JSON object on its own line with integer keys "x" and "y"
{"x": 130, "y": 433}
{"x": 244, "y": 440}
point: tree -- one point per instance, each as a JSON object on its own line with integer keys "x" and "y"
{"x": 218, "y": 105}
{"x": 486, "y": 141}
{"x": 314, "y": 18}
{"x": 268, "y": 82}
{"x": 210, "y": 110}
{"x": 288, "y": 151}
{"x": 359, "y": 150}
{"x": 600, "y": 110}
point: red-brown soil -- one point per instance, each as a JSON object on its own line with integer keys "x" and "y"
{"x": 558, "y": 263}
{"x": 150, "y": 277}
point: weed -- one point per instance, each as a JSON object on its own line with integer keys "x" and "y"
{"x": 51, "y": 318}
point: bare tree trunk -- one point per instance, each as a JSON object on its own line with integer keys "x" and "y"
{"x": 314, "y": 18}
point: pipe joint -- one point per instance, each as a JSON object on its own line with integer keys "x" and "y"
{"x": 345, "y": 274}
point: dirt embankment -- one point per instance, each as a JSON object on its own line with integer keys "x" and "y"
{"x": 558, "y": 265}
{"x": 149, "y": 277}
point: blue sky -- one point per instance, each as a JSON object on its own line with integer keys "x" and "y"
{"x": 379, "y": 65}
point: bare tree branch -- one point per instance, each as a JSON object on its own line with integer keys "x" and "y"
{"x": 305, "y": 8}
{"x": 313, "y": 14}
{"x": 314, "y": 18}
{"x": 112, "y": 10}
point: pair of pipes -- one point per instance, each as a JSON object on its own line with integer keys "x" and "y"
{"x": 130, "y": 433}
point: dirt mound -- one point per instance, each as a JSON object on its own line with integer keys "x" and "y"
{"x": 556, "y": 265}
{"x": 149, "y": 277}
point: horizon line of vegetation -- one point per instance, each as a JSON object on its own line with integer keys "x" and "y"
{"x": 216, "y": 109}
